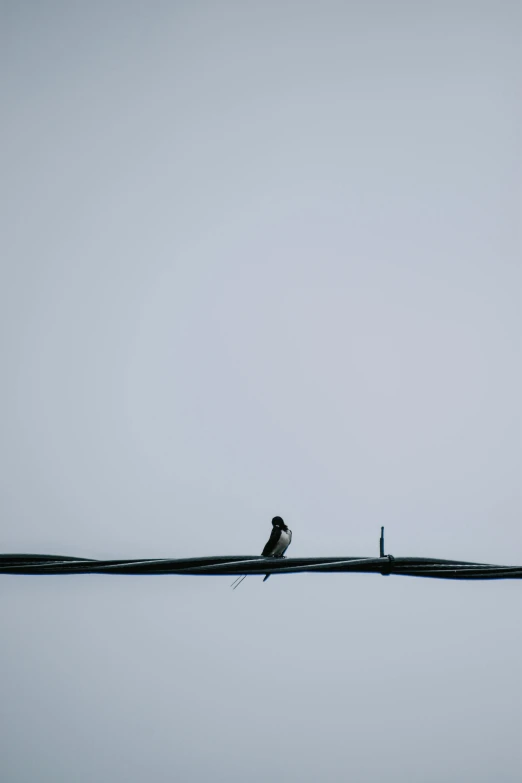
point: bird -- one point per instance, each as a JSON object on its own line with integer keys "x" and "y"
{"x": 279, "y": 541}
{"x": 276, "y": 546}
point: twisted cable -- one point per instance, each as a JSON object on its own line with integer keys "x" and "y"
{"x": 230, "y": 565}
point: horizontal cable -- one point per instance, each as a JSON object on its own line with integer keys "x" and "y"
{"x": 229, "y": 565}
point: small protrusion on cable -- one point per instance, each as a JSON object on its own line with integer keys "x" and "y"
{"x": 390, "y": 558}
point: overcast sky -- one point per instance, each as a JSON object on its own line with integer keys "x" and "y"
{"x": 260, "y": 258}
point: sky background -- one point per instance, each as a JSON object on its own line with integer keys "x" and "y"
{"x": 258, "y": 259}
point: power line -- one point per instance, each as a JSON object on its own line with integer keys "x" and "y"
{"x": 230, "y": 565}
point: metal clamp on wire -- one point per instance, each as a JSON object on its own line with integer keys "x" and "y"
{"x": 386, "y": 569}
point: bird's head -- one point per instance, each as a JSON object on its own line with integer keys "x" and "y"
{"x": 278, "y": 522}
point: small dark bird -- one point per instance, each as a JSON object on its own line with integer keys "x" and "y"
{"x": 279, "y": 541}
{"x": 276, "y": 546}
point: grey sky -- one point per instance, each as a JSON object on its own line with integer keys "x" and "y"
{"x": 260, "y": 258}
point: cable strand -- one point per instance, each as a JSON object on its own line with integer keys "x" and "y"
{"x": 229, "y": 565}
